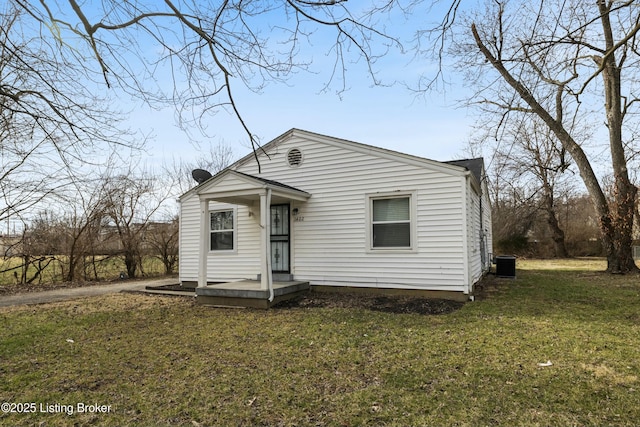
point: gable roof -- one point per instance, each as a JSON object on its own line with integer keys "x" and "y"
{"x": 355, "y": 146}
{"x": 456, "y": 167}
{"x": 251, "y": 187}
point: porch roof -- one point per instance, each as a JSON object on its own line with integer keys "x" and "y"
{"x": 230, "y": 186}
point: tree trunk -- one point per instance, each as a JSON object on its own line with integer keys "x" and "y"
{"x": 557, "y": 234}
{"x": 131, "y": 264}
{"x": 617, "y": 230}
{"x": 72, "y": 268}
{"x": 619, "y": 226}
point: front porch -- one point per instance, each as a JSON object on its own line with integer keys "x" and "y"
{"x": 268, "y": 204}
{"x": 249, "y": 293}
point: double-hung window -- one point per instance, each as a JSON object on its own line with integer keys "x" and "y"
{"x": 222, "y": 230}
{"x": 390, "y": 226}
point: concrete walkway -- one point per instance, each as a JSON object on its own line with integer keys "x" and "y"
{"x": 87, "y": 291}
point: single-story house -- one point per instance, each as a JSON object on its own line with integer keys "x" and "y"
{"x": 309, "y": 210}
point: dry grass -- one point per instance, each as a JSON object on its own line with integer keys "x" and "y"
{"x": 569, "y": 264}
{"x": 52, "y": 276}
{"x": 164, "y": 361}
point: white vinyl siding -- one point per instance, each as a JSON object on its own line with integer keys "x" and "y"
{"x": 189, "y": 239}
{"x": 475, "y": 260}
{"x": 486, "y": 227}
{"x": 331, "y": 234}
{"x": 330, "y": 246}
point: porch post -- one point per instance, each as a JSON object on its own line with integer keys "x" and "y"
{"x": 204, "y": 240}
{"x": 265, "y": 239}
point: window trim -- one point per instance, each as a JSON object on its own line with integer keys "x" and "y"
{"x": 234, "y": 250}
{"x": 369, "y": 198}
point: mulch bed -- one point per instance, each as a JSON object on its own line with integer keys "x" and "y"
{"x": 388, "y": 304}
{"x": 176, "y": 288}
{"x": 392, "y": 303}
{"x": 383, "y": 303}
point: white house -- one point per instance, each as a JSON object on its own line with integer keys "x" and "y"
{"x": 313, "y": 210}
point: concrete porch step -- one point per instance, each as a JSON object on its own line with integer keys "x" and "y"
{"x": 248, "y": 293}
{"x": 279, "y": 277}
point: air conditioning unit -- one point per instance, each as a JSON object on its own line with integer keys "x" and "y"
{"x": 506, "y": 266}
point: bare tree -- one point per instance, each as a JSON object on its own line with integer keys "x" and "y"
{"x": 37, "y": 248}
{"x": 84, "y": 219}
{"x": 513, "y": 210}
{"x": 528, "y": 155}
{"x": 557, "y": 61}
{"x": 162, "y": 239}
{"x": 51, "y": 122}
{"x": 178, "y": 173}
{"x": 130, "y": 201}
{"x": 209, "y": 48}
{"x": 61, "y": 63}
{"x": 580, "y": 223}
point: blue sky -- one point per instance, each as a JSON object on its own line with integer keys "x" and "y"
{"x": 389, "y": 117}
{"x": 386, "y": 116}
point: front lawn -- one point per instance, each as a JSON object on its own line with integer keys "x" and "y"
{"x": 149, "y": 360}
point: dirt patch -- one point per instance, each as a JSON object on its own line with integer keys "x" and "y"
{"x": 490, "y": 285}
{"x": 21, "y": 288}
{"x": 387, "y": 304}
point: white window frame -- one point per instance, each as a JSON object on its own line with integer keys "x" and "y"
{"x": 369, "y": 198}
{"x": 234, "y": 230}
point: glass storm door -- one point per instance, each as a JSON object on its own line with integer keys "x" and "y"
{"x": 280, "y": 238}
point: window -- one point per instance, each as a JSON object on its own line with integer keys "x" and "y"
{"x": 222, "y": 230}
{"x": 391, "y": 222}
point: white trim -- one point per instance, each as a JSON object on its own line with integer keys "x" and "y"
{"x": 266, "y": 278}
{"x": 465, "y": 185}
{"x": 204, "y": 243}
{"x": 292, "y": 233}
{"x": 369, "y": 198}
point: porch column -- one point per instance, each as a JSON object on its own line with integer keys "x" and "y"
{"x": 265, "y": 239}
{"x": 204, "y": 243}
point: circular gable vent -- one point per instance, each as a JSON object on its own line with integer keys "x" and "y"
{"x": 294, "y": 157}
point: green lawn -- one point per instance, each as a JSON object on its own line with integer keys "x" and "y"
{"x": 165, "y": 361}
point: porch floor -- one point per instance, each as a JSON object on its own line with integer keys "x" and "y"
{"x": 247, "y": 293}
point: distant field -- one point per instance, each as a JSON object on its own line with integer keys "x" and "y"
{"x": 559, "y": 345}
{"x": 106, "y": 269}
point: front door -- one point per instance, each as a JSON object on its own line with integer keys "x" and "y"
{"x": 280, "y": 239}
